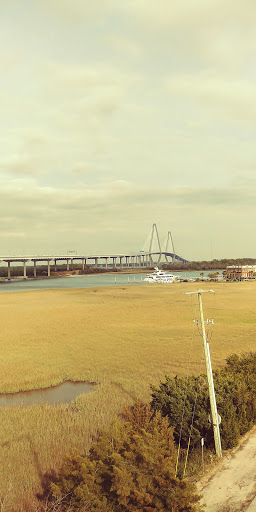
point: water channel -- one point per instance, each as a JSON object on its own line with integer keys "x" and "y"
{"x": 61, "y": 394}
{"x": 86, "y": 281}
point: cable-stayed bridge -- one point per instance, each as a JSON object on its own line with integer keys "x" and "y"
{"x": 155, "y": 251}
{"x": 141, "y": 259}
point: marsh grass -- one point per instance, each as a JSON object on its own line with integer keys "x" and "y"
{"x": 123, "y": 338}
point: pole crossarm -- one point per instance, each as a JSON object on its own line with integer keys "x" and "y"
{"x": 199, "y": 291}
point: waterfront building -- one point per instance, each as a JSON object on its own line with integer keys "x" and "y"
{"x": 241, "y": 272}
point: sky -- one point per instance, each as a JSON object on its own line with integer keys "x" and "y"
{"x": 119, "y": 114}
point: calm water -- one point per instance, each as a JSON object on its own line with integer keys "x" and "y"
{"x": 64, "y": 393}
{"x": 89, "y": 281}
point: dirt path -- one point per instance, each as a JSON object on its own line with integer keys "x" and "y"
{"x": 232, "y": 486}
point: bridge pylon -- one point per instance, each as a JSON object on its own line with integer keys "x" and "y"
{"x": 155, "y": 231}
{"x": 169, "y": 239}
{"x": 155, "y": 251}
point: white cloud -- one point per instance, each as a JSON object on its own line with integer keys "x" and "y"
{"x": 114, "y": 216}
{"x": 81, "y": 168}
{"x": 118, "y": 114}
{"x": 123, "y": 45}
{"x": 233, "y": 96}
{"x": 186, "y": 13}
{"x": 87, "y": 90}
{"x": 77, "y": 11}
{"x": 199, "y": 33}
{"x": 12, "y": 234}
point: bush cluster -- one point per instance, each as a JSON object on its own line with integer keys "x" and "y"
{"x": 130, "y": 468}
{"x": 235, "y": 388}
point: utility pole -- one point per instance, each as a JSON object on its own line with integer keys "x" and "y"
{"x": 214, "y": 413}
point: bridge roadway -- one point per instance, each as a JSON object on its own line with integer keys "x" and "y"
{"x": 133, "y": 260}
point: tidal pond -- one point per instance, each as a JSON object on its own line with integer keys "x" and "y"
{"x": 61, "y": 394}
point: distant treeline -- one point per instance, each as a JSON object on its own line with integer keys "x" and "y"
{"x": 208, "y": 265}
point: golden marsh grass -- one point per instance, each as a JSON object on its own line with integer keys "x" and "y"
{"x": 124, "y": 338}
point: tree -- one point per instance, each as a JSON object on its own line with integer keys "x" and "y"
{"x": 214, "y": 275}
{"x": 182, "y": 399}
{"x": 130, "y": 468}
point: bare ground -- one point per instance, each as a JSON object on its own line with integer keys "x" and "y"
{"x": 231, "y": 486}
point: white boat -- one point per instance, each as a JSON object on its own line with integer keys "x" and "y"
{"x": 159, "y": 276}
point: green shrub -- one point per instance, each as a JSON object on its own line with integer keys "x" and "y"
{"x": 130, "y": 468}
{"x": 235, "y": 389}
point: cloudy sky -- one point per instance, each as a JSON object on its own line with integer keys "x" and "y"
{"x": 119, "y": 114}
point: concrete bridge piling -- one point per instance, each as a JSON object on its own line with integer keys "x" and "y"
{"x": 135, "y": 260}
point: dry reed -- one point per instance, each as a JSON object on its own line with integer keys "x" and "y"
{"x": 123, "y": 338}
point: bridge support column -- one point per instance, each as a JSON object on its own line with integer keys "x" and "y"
{"x": 67, "y": 264}
{"x": 24, "y": 269}
{"x": 139, "y": 261}
{"x": 55, "y": 265}
{"x": 48, "y": 268}
{"x": 34, "y": 268}
{"x": 96, "y": 262}
{"x": 9, "y": 270}
{"x": 106, "y": 264}
{"x": 83, "y": 260}
{"x": 127, "y": 261}
{"x": 114, "y": 261}
{"x": 121, "y": 264}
